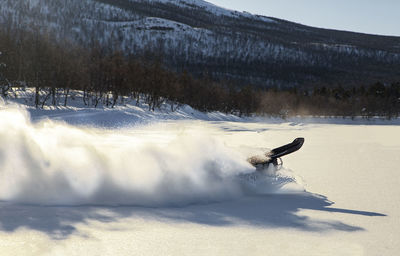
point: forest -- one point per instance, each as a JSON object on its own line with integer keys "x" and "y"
{"x": 31, "y": 59}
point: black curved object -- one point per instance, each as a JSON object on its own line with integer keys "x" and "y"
{"x": 287, "y": 149}
{"x": 277, "y": 153}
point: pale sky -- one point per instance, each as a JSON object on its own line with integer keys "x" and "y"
{"x": 368, "y": 16}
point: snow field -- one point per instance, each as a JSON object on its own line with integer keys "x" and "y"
{"x": 166, "y": 188}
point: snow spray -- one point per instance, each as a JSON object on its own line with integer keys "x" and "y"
{"x": 53, "y": 163}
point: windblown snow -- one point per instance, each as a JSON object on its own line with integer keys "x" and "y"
{"x": 52, "y": 162}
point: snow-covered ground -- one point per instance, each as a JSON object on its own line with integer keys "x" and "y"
{"x": 127, "y": 181}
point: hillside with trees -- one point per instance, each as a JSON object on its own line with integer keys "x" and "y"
{"x": 54, "y": 69}
{"x": 214, "y": 43}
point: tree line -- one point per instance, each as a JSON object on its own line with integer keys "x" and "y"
{"x": 54, "y": 68}
{"x": 29, "y": 59}
{"x": 376, "y": 99}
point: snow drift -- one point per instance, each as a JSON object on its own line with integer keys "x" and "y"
{"x": 55, "y": 163}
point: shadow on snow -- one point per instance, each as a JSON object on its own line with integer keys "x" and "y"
{"x": 267, "y": 211}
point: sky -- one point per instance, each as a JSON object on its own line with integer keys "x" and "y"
{"x": 380, "y": 17}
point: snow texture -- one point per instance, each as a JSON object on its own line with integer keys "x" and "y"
{"x": 168, "y": 186}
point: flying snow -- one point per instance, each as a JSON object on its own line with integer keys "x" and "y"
{"x": 55, "y": 163}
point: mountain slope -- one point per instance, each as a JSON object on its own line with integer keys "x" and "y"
{"x": 202, "y": 38}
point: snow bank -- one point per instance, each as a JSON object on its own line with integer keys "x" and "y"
{"x": 125, "y": 114}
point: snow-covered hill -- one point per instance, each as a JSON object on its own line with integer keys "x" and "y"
{"x": 200, "y": 37}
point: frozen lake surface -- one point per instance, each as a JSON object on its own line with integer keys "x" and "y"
{"x": 170, "y": 187}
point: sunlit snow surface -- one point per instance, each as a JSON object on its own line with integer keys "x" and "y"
{"x": 183, "y": 187}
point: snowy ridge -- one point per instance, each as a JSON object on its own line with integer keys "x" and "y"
{"x": 195, "y": 4}
{"x": 216, "y": 10}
